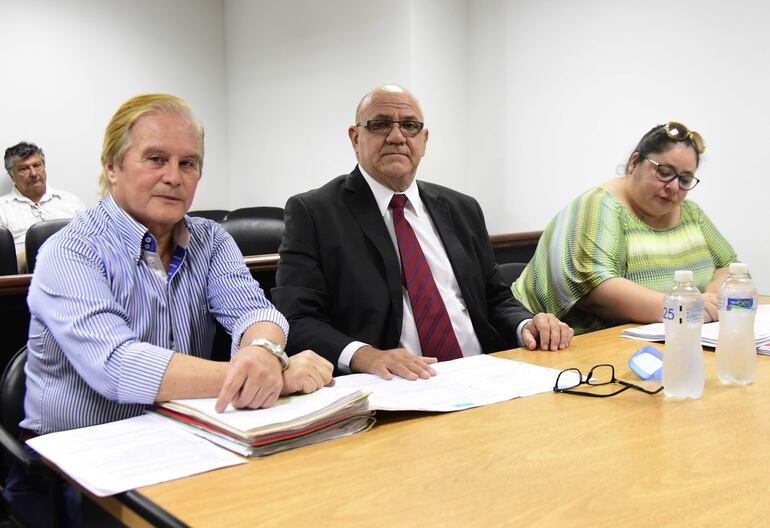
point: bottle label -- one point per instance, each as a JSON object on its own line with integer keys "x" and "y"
{"x": 681, "y": 314}
{"x": 739, "y": 303}
{"x": 695, "y": 313}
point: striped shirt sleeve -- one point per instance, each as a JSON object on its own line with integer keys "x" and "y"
{"x": 580, "y": 248}
{"x": 91, "y": 327}
{"x": 722, "y": 253}
{"x": 235, "y": 298}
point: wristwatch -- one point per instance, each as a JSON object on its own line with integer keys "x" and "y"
{"x": 274, "y": 348}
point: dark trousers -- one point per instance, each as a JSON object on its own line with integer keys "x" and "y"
{"x": 28, "y": 499}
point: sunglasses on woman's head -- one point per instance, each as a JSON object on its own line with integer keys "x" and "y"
{"x": 679, "y": 132}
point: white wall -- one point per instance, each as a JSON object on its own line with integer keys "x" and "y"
{"x": 584, "y": 80}
{"x": 68, "y": 64}
{"x": 295, "y": 72}
{"x": 297, "y": 69}
{"x": 528, "y": 102}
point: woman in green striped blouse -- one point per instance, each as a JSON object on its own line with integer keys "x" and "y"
{"x": 609, "y": 256}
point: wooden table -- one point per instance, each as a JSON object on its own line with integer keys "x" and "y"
{"x": 545, "y": 460}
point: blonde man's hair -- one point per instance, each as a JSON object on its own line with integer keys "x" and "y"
{"x": 117, "y": 135}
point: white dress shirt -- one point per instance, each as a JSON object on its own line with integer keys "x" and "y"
{"x": 417, "y": 216}
{"x": 18, "y": 213}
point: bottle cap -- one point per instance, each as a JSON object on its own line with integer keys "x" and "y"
{"x": 739, "y": 268}
{"x": 684, "y": 275}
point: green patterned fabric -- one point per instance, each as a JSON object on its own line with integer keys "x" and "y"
{"x": 596, "y": 238}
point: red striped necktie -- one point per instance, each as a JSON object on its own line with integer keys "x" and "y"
{"x": 437, "y": 337}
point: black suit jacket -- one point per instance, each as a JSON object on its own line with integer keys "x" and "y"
{"x": 339, "y": 277}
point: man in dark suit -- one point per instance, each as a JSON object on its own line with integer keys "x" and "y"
{"x": 341, "y": 279}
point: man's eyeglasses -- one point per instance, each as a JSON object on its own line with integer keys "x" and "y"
{"x": 687, "y": 182}
{"x": 24, "y": 170}
{"x": 382, "y": 127}
{"x": 679, "y": 132}
{"x": 599, "y": 376}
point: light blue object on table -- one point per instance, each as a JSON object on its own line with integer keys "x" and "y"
{"x": 647, "y": 362}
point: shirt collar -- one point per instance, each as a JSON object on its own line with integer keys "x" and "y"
{"x": 383, "y": 195}
{"x": 182, "y": 233}
{"x": 47, "y": 195}
{"x": 134, "y": 233}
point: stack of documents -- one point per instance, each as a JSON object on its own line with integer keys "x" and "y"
{"x": 294, "y": 421}
{"x": 710, "y": 332}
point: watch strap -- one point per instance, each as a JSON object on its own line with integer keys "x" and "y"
{"x": 274, "y": 348}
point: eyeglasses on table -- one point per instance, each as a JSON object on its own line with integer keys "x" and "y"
{"x": 600, "y": 375}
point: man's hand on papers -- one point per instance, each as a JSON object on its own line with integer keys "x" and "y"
{"x": 547, "y": 331}
{"x": 253, "y": 380}
{"x": 386, "y": 363}
{"x": 710, "y": 313}
{"x": 307, "y": 373}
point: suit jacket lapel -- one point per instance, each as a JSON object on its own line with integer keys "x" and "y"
{"x": 359, "y": 198}
{"x": 442, "y": 219}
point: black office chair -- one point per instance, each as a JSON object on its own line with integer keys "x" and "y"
{"x": 39, "y": 233}
{"x": 257, "y": 212}
{"x": 511, "y": 270}
{"x": 8, "y": 264}
{"x": 212, "y": 214}
{"x": 12, "y": 390}
{"x": 255, "y": 236}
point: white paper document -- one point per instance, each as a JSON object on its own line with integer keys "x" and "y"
{"x": 458, "y": 384}
{"x": 710, "y": 332}
{"x": 119, "y": 456}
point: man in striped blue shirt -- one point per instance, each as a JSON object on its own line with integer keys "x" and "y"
{"x": 124, "y": 299}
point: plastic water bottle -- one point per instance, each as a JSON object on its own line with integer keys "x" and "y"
{"x": 736, "y": 349}
{"x": 683, "y": 375}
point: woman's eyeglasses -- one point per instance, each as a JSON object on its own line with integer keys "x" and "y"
{"x": 599, "y": 376}
{"x": 687, "y": 181}
{"x": 679, "y": 132}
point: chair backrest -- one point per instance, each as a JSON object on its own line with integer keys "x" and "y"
{"x": 255, "y": 236}
{"x": 257, "y": 212}
{"x": 511, "y": 270}
{"x": 8, "y": 264}
{"x": 212, "y": 214}
{"x": 12, "y": 389}
{"x": 39, "y": 233}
